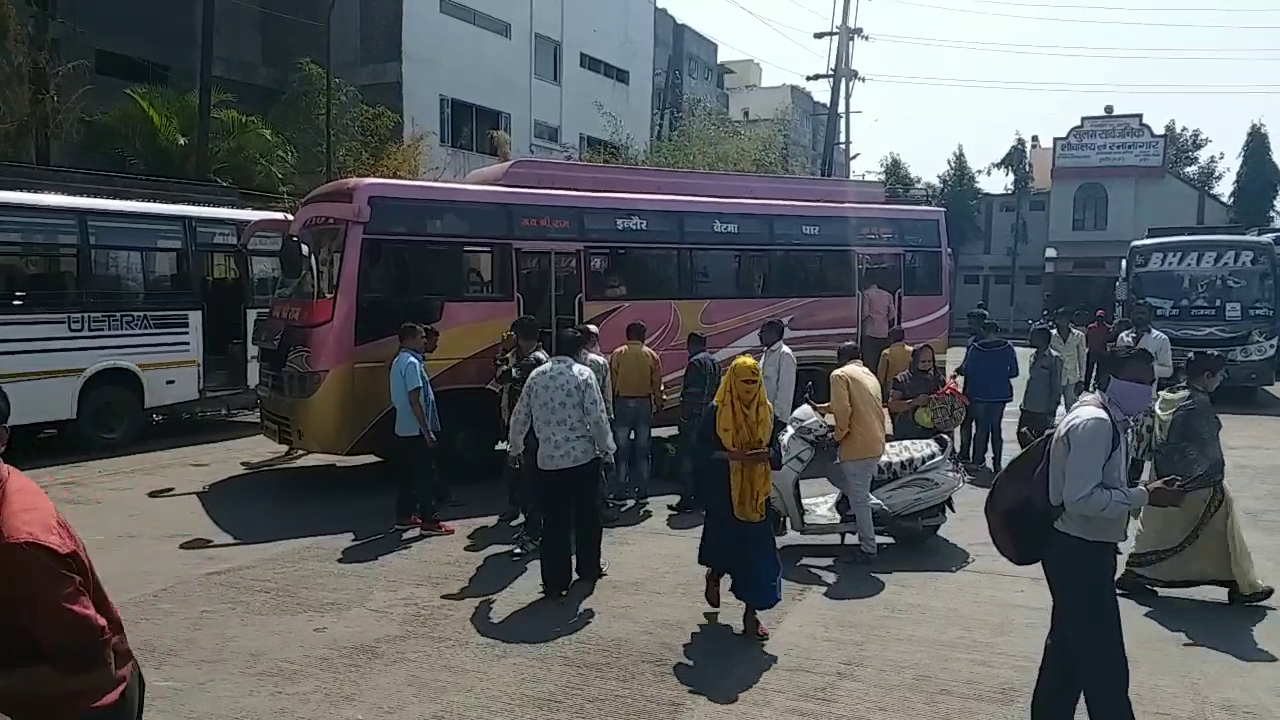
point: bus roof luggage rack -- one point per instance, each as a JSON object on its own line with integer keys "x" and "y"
{"x": 591, "y": 177}
{"x": 1181, "y": 230}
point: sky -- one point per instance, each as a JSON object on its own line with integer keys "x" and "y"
{"x": 973, "y": 72}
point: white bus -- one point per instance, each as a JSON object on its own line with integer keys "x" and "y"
{"x": 115, "y": 311}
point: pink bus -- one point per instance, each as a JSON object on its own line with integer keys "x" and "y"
{"x": 569, "y": 243}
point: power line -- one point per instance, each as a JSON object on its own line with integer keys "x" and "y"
{"x": 277, "y": 13}
{"x": 807, "y": 9}
{"x": 1199, "y": 58}
{"x": 1052, "y": 6}
{"x": 1117, "y": 86}
{"x": 1078, "y": 47}
{"x": 1076, "y": 90}
{"x": 771, "y": 25}
{"x": 1086, "y": 21}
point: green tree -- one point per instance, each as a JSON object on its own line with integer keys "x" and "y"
{"x": 706, "y": 138}
{"x": 1016, "y": 165}
{"x": 1186, "y": 159}
{"x": 152, "y": 132}
{"x": 368, "y": 140}
{"x": 960, "y": 195}
{"x": 1257, "y": 183}
{"x": 27, "y": 113}
{"x": 896, "y": 174}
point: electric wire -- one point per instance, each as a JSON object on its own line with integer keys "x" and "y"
{"x": 1086, "y": 21}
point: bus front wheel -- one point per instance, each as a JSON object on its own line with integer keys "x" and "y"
{"x": 110, "y": 415}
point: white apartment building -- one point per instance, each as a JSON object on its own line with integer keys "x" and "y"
{"x": 539, "y": 70}
{"x": 750, "y": 100}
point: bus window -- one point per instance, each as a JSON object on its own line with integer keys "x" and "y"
{"x": 38, "y": 268}
{"x": 137, "y": 261}
{"x": 264, "y": 275}
{"x": 922, "y": 274}
{"x": 714, "y": 273}
{"x": 633, "y": 274}
{"x": 325, "y": 243}
{"x": 812, "y": 273}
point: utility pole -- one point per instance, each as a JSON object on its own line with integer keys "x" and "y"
{"x": 205, "y": 85}
{"x": 844, "y": 75}
{"x": 849, "y": 78}
{"x": 41, "y": 86}
{"x": 328, "y": 93}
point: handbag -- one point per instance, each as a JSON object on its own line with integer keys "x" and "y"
{"x": 947, "y": 407}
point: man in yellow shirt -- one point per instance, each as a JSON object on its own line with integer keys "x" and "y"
{"x": 895, "y": 359}
{"x": 637, "y": 389}
{"x": 860, "y": 430}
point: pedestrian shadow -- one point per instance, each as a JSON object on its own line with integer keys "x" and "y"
{"x": 303, "y": 501}
{"x": 685, "y": 520}
{"x": 493, "y": 575}
{"x": 376, "y": 547}
{"x": 486, "y": 536}
{"x": 859, "y": 582}
{"x": 632, "y": 516}
{"x": 721, "y": 665}
{"x": 544, "y": 620}
{"x": 1228, "y": 629}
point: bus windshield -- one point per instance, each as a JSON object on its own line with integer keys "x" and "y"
{"x": 321, "y": 248}
{"x": 1218, "y": 284}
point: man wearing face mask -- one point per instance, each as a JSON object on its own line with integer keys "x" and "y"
{"x": 1085, "y": 653}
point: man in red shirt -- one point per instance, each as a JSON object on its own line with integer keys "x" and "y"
{"x": 1096, "y": 337}
{"x": 63, "y": 651}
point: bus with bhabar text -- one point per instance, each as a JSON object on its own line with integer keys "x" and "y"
{"x": 116, "y": 311}
{"x": 570, "y": 243}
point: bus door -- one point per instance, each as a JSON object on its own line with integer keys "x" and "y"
{"x": 262, "y": 246}
{"x": 879, "y": 301}
{"x": 220, "y": 272}
{"x": 549, "y": 287}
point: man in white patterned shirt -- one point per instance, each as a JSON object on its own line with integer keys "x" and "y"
{"x": 563, "y": 405}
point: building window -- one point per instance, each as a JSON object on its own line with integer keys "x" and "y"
{"x": 546, "y": 59}
{"x": 1003, "y": 280}
{"x": 972, "y": 279}
{"x": 693, "y": 67}
{"x": 1033, "y": 280}
{"x": 1037, "y": 206}
{"x": 600, "y": 67}
{"x": 594, "y": 146}
{"x": 1089, "y": 208}
{"x": 1007, "y": 207}
{"x": 706, "y": 74}
{"x": 470, "y": 127}
{"x": 461, "y": 12}
{"x": 546, "y": 132}
{"x": 129, "y": 68}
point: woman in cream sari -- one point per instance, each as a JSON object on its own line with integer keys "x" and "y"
{"x": 1200, "y": 542}
{"x": 735, "y": 451}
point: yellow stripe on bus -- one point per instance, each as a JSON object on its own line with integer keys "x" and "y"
{"x": 73, "y": 372}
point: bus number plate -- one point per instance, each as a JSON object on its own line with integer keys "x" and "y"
{"x": 271, "y": 431}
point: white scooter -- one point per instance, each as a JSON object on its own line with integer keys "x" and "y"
{"x": 911, "y": 492}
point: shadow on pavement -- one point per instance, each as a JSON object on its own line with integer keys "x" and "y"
{"x": 30, "y": 452}
{"x": 377, "y": 547}
{"x": 630, "y": 516}
{"x": 685, "y": 520}
{"x": 542, "y": 621}
{"x": 721, "y": 665}
{"x": 486, "y": 536}
{"x": 1228, "y": 629}
{"x": 1229, "y": 402}
{"x": 306, "y": 501}
{"x": 858, "y": 582}
{"x": 493, "y": 575}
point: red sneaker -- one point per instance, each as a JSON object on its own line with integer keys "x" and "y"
{"x": 435, "y": 528}
{"x": 413, "y": 522}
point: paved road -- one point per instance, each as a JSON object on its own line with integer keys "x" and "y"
{"x": 274, "y": 594}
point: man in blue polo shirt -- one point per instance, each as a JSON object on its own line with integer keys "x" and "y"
{"x": 417, "y": 428}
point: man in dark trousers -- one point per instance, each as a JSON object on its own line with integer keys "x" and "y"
{"x": 701, "y": 380}
{"x": 417, "y": 432}
{"x": 514, "y": 370}
{"x": 63, "y": 650}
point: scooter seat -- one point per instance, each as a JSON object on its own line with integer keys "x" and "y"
{"x": 903, "y": 458}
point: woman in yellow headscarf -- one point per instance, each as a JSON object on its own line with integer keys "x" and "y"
{"x": 735, "y": 453}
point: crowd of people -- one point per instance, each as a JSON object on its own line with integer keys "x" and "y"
{"x": 578, "y": 427}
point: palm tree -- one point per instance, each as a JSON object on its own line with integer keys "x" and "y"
{"x": 152, "y": 132}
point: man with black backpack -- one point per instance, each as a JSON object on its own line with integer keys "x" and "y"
{"x": 1089, "y": 493}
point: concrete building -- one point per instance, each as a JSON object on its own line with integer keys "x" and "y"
{"x": 1106, "y": 185}
{"x": 750, "y": 100}
{"x": 685, "y": 65}
{"x": 541, "y": 69}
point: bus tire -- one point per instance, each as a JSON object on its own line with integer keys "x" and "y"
{"x": 110, "y": 413}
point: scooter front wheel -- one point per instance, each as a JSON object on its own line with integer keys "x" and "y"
{"x": 914, "y": 535}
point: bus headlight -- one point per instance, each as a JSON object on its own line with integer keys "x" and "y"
{"x": 301, "y": 384}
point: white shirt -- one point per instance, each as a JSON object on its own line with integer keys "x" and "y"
{"x": 1073, "y": 351}
{"x": 778, "y": 367}
{"x": 561, "y": 401}
{"x": 599, "y": 365}
{"x": 1154, "y": 342}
